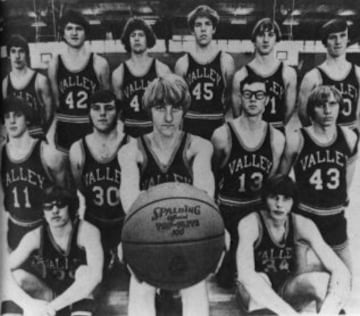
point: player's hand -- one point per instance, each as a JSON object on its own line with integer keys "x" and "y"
{"x": 227, "y": 240}
{"x": 120, "y": 253}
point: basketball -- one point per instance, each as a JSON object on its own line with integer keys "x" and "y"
{"x": 173, "y": 236}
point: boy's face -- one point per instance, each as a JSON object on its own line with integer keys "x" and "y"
{"x": 279, "y": 205}
{"x": 167, "y": 119}
{"x": 103, "y": 116}
{"x": 56, "y": 213}
{"x": 17, "y": 57}
{"x": 336, "y": 43}
{"x": 137, "y": 40}
{"x": 326, "y": 114}
{"x": 203, "y": 31}
{"x": 254, "y": 98}
{"x": 74, "y": 35}
{"x": 265, "y": 42}
{"x": 15, "y": 123}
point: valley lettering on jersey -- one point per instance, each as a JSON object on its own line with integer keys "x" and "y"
{"x": 24, "y": 175}
{"x": 99, "y": 175}
{"x": 322, "y": 157}
{"x": 162, "y": 178}
{"x": 248, "y": 161}
{"x": 77, "y": 81}
{"x": 135, "y": 86}
{"x": 206, "y": 73}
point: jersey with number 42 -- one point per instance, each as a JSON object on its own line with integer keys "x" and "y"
{"x": 320, "y": 172}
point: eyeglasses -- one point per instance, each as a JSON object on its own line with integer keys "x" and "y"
{"x": 48, "y": 206}
{"x": 259, "y": 95}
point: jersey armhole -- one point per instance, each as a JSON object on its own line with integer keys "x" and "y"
{"x": 299, "y": 147}
{"x": 43, "y": 163}
{"x": 141, "y": 146}
{"x": 260, "y": 228}
{"x": 230, "y": 143}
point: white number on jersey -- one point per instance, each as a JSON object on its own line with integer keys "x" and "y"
{"x": 318, "y": 182}
{"x": 109, "y": 196}
{"x": 256, "y": 180}
{"x": 346, "y": 111}
{"x": 134, "y": 103}
{"x": 79, "y": 102}
{"x": 26, "y": 198}
{"x": 273, "y": 105}
{"x": 203, "y": 90}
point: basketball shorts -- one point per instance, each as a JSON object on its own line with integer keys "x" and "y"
{"x": 203, "y": 128}
{"x": 137, "y": 131}
{"x": 16, "y": 232}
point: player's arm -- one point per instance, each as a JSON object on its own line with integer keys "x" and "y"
{"x": 309, "y": 82}
{"x": 117, "y": 80}
{"x": 129, "y": 157}
{"x": 77, "y": 159}
{"x": 4, "y": 86}
{"x": 52, "y": 73}
{"x": 290, "y": 79}
{"x": 182, "y": 65}
{"x": 228, "y": 68}
{"x": 259, "y": 290}
{"x": 339, "y": 284}
{"x": 292, "y": 143}
{"x": 236, "y": 92}
{"x": 43, "y": 89}
{"x": 102, "y": 71}
{"x": 220, "y": 142}
{"x": 161, "y": 68}
{"x": 278, "y": 146}
{"x": 88, "y": 276}
{"x": 352, "y": 141}
{"x": 357, "y": 72}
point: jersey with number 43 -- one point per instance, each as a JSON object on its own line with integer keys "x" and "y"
{"x": 320, "y": 172}
{"x": 245, "y": 171}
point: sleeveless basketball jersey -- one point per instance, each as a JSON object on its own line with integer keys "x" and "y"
{"x": 59, "y": 265}
{"x": 320, "y": 172}
{"x": 245, "y": 171}
{"x": 276, "y": 107}
{"x": 23, "y": 183}
{"x": 276, "y": 260}
{"x": 349, "y": 89}
{"x": 154, "y": 172}
{"x": 75, "y": 89}
{"x": 100, "y": 183}
{"x": 136, "y": 119}
{"x": 207, "y": 85}
{"x": 28, "y": 93}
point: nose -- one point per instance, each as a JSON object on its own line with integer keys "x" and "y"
{"x": 279, "y": 201}
{"x": 253, "y": 97}
{"x": 326, "y": 109}
{"x": 12, "y": 117}
{"x": 169, "y": 114}
{"x": 102, "y": 112}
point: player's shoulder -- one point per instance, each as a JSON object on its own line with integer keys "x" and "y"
{"x": 199, "y": 143}
{"x": 289, "y": 72}
{"x": 129, "y": 151}
{"x": 87, "y": 229}
{"x": 77, "y": 149}
{"x": 100, "y": 60}
{"x": 220, "y": 136}
{"x": 249, "y": 225}
{"x": 240, "y": 74}
{"x": 312, "y": 76}
{"x": 357, "y": 71}
{"x": 226, "y": 57}
{"x": 182, "y": 65}
{"x": 350, "y": 136}
{"x": 161, "y": 67}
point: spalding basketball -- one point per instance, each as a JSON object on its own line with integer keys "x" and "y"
{"x": 173, "y": 236}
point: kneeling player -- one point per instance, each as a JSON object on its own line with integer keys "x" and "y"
{"x": 167, "y": 154}
{"x": 69, "y": 253}
{"x": 266, "y": 258}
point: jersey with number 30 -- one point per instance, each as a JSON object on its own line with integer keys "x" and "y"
{"x": 245, "y": 171}
{"x": 320, "y": 172}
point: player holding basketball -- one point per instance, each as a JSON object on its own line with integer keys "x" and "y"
{"x": 334, "y": 71}
{"x": 280, "y": 79}
{"x": 29, "y": 84}
{"x": 74, "y": 76}
{"x": 266, "y": 258}
{"x": 247, "y": 151}
{"x": 323, "y": 157}
{"x": 96, "y": 170}
{"x": 167, "y": 154}
{"x": 28, "y": 165}
{"x": 131, "y": 78}
{"x": 208, "y": 73}
{"x": 70, "y": 254}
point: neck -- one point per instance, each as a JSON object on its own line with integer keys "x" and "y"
{"x": 338, "y": 60}
{"x": 23, "y": 141}
{"x": 250, "y": 122}
{"x": 141, "y": 57}
{"x": 105, "y": 137}
{"x": 205, "y": 49}
{"x": 20, "y": 72}
{"x": 62, "y": 231}
{"x": 277, "y": 223}
{"x": 325, "y": 131}
{"x": 165, "y": 142}
{"x": 265, "y": 59}
{"x": 76, "y": 51}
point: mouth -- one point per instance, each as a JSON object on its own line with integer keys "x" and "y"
{"x": 55, "y": 218}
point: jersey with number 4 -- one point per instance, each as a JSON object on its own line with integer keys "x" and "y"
{"x": 100, "y": 186}
{"x": 23, "y": 182}
{"x": 75, "y": 89}
{"x": 349, "y": 89}
{"x": 276, "y": 108}
{"x": 320, "y": 172}
{"x": 136, "y": 119}
{"x": 245, "y": 171}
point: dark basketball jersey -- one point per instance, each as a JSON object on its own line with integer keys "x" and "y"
{"x": 207, "y": 85}
{"x": 276, "y": 107}
{"x": 23, "y": 183}
{"x": 246, "y": 169}
{"x": 28, "y": 93}
{"x": 75, "y": 89}
{"x": 59, "y": 265}
{"x": 154, "y": 172}
{"x": 320, "y": 172}
{"x": 349, "y": 89}
{"x": 100, "y": 187}
{"x": 136, "y": 119}
{"x": 276, "y": 260}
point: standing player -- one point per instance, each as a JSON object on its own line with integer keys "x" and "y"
{"x": 69, "y": 251}
{"x": 97, "y": 172}
{"x": 334, "y": 71}
{"x": 74, "y": 76}
{"x": 131, "y": 78}
{"x": 280, "y": 79}
{"x": 26, "y": 83}
{"x": 267, "y": 258}
{"x": 323, "y": 156}
{"x": 166, "y": 155}
{"x": 247, "y": 152}
{"x": 208, "y": 73}
{"x": 28, "y": 166}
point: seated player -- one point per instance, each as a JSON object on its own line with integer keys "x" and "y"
{"x": 267, "y": 260}
{"x": 167, "y": 154}
{"x": 69, "y": 254}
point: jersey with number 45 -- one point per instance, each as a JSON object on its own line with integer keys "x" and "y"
{"x": 320, "y": 172}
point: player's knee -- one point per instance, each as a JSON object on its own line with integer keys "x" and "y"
{"x": 85, "y": 307}
{"x": 26, "y": 281}
{"x": 307, "y": 261}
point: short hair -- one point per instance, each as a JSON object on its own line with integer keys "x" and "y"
{"x": 104, "y": 95}
{"x": 57, "y": 193}
{"x": 250, "y": 79}
{"x": 75, "y": 17}
{"x": 16, "y": 104}
{"x": 266, "y": 25}
{"x": 137, "y": 24}
{"x": 332, "y": 26}
{"x": 203, "y": 11}
{"x": 280, "y": 184}
{"x": 168, "y": 89}
{"x": 320, "y": 96}
{"x": 17, "y": 40}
